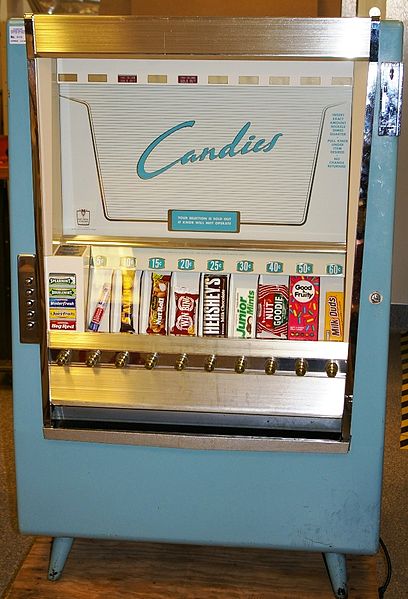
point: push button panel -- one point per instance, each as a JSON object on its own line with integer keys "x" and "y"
{"x": 28, "y": 299}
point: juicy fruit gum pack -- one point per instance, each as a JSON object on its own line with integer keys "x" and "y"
{"x": 304, "y": 308}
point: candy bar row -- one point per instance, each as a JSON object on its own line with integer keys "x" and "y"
{"x": 215, "y": 305}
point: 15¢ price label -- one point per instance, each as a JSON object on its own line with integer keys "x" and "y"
{"x": 157, "y": 263}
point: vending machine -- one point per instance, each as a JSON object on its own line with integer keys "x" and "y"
{"x": 201, "y": 222}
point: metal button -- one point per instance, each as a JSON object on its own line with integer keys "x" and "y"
{"x": 30, "y": 302}
{"x": 30, "y": 313}
{"x": 30, "y": 291}
{"x": 30, "y": 324}
{"x": 29, "y": 281}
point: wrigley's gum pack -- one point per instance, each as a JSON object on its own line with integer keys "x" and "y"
{"x": 331, "y": 326}
{"x": 304, "y": 296}
{"x": 273, "y": 307}
{"x": 242, "y": 306}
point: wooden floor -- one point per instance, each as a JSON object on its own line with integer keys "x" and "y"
{"x": 113, "y": 570}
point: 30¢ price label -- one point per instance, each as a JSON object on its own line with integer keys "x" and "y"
{"x": 245, "y": 266}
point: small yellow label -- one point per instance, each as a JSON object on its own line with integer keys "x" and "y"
{"x": 67, "y": 313}
{"x": 333, "y": 316}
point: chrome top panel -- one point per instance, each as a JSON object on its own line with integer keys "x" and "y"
{"x": 64, "y": 36}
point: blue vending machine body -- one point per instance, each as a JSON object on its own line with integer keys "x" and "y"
{"x": 316, "y": 501}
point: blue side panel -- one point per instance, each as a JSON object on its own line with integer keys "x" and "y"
{"x": 316, "y": 502}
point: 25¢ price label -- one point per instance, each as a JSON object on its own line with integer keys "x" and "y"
{"x": 215, "y": 265}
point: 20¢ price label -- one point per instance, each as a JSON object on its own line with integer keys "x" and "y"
{"x": 186, "y": 264}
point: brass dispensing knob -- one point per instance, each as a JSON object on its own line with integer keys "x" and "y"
{"x": 122, "y": 359}
{"x": 181, "y": 362}
{"x": 301, "y": 367}
{"x": 240, "y": 365}
{"x": 93, "y": 358}
{"x": 151, "y": 361}
{"x": 332, "y": 369}
{"x": 209, "y": 364}
{"x": 64, "y": 357}
{"x": 271, "y": 365}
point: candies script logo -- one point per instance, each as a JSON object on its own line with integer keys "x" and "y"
{"x": 230, "y": 150}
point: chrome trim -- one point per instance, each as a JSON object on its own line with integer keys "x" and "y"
{"x": 177, "y": 242}
{"x": 150, "y": 344}
{"x": 38, "y": 220}
{"x": 238, "y": 37}
{"x": 391, "y": 81}
{"x": 167, "y": 389}
{"x": 372, "y": 78}
{"x": 183, "y": 441}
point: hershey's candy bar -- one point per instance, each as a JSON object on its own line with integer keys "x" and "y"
{"x": 215, "y": 305}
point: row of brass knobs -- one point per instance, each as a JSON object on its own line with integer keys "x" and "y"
{"x": 122, "y": 360}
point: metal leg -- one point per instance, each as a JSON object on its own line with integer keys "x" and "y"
{"x": 337, "y": 571}
{"x": 61, "y": 546}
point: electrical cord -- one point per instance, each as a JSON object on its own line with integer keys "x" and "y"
{"x": 382, "y": 589}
